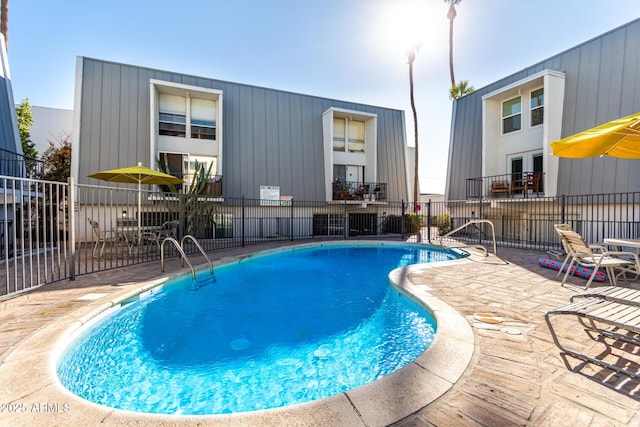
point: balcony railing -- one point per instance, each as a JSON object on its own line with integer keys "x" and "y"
{"x": 519, "y": 185}
{"x": 353, "y": 190}
{"x": 19, "y": 166}
{"x": 212, "y": 188}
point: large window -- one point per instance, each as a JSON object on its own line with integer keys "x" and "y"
{"x": 356, "y": 136}
{"x": 348, "y": 135}
{"x": 203, "y": 119}
{"x": 182, "y": 116}
{"x": 512, "y": 115}
{"x": 183, "y": 166}
{"x": 348, "y": 173}
{"x": 537, "y": 107}
{"x": 173, "y": 113}
{"x": 339, "y": 134}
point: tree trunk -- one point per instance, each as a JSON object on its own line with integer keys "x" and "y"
{"x": 451, "y": 15}
{"x": 412, "y": 57}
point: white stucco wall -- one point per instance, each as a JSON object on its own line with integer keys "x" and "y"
{"x": 50, "y": 124}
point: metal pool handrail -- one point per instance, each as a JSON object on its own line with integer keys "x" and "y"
{"x": 193, "y": 239}
{"x": 182, "y": 254}
{"x": 468, "y": 223}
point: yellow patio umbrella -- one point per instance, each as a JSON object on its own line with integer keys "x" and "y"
{"x": 618, "y": 138}
{"x": 136, "y": 175}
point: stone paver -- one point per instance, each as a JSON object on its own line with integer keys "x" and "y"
{"x": 516, "y": 375}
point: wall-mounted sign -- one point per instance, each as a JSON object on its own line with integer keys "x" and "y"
{"x": 269, "y": 195}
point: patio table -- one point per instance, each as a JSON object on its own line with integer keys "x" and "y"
{"x": 128, "y": 234}
{"x": 618, "y": 243}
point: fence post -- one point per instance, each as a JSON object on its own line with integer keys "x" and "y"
{"x": 181, "y": 215}
{"x": 242, "y": 219}
{"x": 480, "y": 216}
{"x": 402, "y": 220}
{"x": 72, "y": 228}
{"x": 429, "y": 221}
{"x": 562, "y": 209}
{"x": 291, "y": 223}
{"x": 345, "y": 221}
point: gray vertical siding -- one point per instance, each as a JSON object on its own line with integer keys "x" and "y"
{"x": 270, "y": 137}
{"x": 9, "y": 137}
{"x": 7, "y": 112}
{"x": 602, "y": 83}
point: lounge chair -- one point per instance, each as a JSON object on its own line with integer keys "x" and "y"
{"x": 608, "y": 312}
{"x": 568, "y": 257}
{"x": 611, "y": 293}
{"x": 581, "y": 254}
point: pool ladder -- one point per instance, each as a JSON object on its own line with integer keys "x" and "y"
{"x": 183, "y": 255}
{"x": 480, "y": 247}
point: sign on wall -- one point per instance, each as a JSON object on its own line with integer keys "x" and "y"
{"x": 269, "y": 195}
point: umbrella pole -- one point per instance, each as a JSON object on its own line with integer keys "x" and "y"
{"x": 139, "y": 205}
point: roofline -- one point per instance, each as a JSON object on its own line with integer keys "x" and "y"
{"x": 236, "y": 83}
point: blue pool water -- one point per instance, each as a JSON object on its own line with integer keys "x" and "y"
{"x": 272, "y": 331}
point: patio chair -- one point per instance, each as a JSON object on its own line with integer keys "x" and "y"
{"x": 499, "y": 187}
{"x": 530, "y": 181}
{"x": 168, "y": 229}
{"x": 581, "y": 254}
{"x": 101, "y": 237}
{"x": 568, "y": 257}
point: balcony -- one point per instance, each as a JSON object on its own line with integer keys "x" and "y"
{"x": 16, "y": 165}
{"x": 213, "y": 186}
{"x": 520, "y": 185}
{"x": 352, "y": 190}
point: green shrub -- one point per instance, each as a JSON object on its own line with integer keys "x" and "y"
{"x": 412, "y": 222}
{"x": 443, "y": 223}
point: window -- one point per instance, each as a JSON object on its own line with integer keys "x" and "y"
{"x": 348, "y": 135}
{"x": 511, "y": 115}
{"x": 173, "y": 113}
{"x": 348, "y": 173}
{"x": 181, "y": 116}
{"x": 206, "y": 163}
{"x": 537, "y": 107}
{"x": 203, "y": 119}
{"x": 183, "y": 166}
{"x": 339, "y": 132}
{"x": 356, "y": 136}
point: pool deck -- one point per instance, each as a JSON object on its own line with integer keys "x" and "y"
{"x": 514, "y": 374}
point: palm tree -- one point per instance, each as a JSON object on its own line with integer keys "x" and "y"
{"x": 451, "y": 15}
{"x": 460, "y": 89}
{"x": 4, "y": 21}
{"x": 411, "y": 56}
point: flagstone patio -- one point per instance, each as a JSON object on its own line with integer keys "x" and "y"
{"x": 516, "y": 375}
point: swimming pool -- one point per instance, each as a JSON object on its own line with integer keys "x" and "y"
{"x": 263, "y": 338}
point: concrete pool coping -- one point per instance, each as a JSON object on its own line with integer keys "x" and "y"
{"x": 28, "y": 373}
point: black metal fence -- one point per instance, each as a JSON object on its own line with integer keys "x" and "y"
{"x": 16, "y": 165}
{"x": 45, "y": 236}
{"x": 528, "y": 223}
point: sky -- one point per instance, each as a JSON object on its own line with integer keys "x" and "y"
{"x": 351, "y": 50}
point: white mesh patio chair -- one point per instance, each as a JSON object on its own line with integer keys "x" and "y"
{"x": 100, "y": 237}
{"x": 579, "y": 253}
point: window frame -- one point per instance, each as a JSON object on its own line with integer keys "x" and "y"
{"x": 511, "y": 116}
{"x": 536, "y": 108}
{"x": 344, "y": 143}
{"x": 184, "y": 126}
